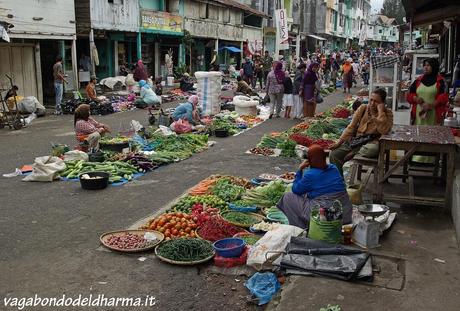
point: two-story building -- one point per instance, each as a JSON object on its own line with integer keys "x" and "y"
{"x": 108, "y": 31}
{"x": 382, "y": 30}
{"x": 222, "y": 27}
{"x": 161, "y": 28}
{"x": 42, "y": 31}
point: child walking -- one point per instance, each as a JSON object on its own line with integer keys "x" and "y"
{"x": 287, "y": 98}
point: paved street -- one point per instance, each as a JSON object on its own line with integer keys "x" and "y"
{"x": 50, "y": 234}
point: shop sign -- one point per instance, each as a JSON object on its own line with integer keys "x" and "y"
{"x": 282, "y": 31}
{"x": 161, "y": 21}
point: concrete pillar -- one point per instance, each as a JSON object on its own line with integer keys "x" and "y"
{"x": 115, "y": 57}
{"x": 139, "y": 45}
{"x": 75, "y": 64}
{"x": 38, "y": 72}
{"x": 157, "y": 59}
{"x": 91, "y": 47}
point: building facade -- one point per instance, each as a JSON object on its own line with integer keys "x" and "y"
{"x": 41, "y": 31}
{"x": 225, "y": 28}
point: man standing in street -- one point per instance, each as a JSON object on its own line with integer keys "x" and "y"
{"x": 59, "y": 80}
{"x": 267, "y": 62}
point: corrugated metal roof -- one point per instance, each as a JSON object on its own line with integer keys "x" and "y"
{"x": 241, "y": 6}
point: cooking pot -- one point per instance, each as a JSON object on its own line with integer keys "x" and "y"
{"x": 451, "y": 121}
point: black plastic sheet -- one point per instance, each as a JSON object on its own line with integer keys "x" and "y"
{"x": 317, "y": 257}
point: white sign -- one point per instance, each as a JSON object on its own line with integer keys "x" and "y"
{"x": 282, "y": 33}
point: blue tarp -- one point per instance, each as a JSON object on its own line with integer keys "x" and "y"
{"x": 231, "y": 49}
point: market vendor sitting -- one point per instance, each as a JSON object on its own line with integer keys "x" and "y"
{"x": 147, "y": 96}
{"x": 243, "y": 87}
{"x": 188, "y": 111}
{"x": 316, "y": 183}
{"x": 361, "y": 136}
{"x": 91, "y": 89}
{"x": 185, "y": 83}
{"x": 87, "y": 129}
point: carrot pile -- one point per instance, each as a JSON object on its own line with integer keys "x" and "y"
{"x": 203, "y": 187}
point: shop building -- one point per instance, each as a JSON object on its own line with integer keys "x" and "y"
{"x": 108, "y": 31}
{"x": 41, "y": 31}
{"x": 219, "y": 27}
{"x": 161, "y": 31}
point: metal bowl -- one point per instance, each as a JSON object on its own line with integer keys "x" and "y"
{"x": 373, "y": 210}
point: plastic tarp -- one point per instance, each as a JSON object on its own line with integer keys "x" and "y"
{"x": 317, "y": 257}
{"x": 231, "y": 49}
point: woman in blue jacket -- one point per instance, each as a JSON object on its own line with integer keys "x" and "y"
{"x": 187, "y": 111}
{"x": 321, "y": 184}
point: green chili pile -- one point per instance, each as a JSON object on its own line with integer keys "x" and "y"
{"x": 185, "y": 249}
{"x": 240, "y": 218}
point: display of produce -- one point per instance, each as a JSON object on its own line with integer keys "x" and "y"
{"x": 128, "y": 241}
{"x": 141, "y": 162}
{"x": 265, "y": 151}
{"x": 174, "y": 225}
{"x": 240, "y": 219}
{"x": 185, "y": 204}
{"x": 185, "y": 249}
{"x": 288, "y": 176}
{"x": 287, "y": 148}
{"x": 106, "y": 140}
{"x": 264, "y": 226}
{"x": 266, "y": 196}
{"x": 202, "y": 213}
{"x": 118, "y": 170}
{"x": 269, "y": 141}
{"x": 217, "y": 228}
{"x": 226, "y": 190}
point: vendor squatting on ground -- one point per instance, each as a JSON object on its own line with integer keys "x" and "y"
{"x": 187, "y": 111}
{"x": 316, "y": 183}
{"x": 87, "y": 129}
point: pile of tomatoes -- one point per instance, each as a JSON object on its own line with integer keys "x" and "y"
{"x": 174, "y": 225}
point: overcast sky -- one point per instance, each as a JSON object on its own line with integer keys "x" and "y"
{"x": 376, "y": 5}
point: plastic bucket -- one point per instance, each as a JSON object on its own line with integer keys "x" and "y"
{"x": 327, "y": 231}
{"x": 170, "y": 81}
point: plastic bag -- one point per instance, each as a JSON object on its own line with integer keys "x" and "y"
{"x": 263, "y": 286}
{"x": 75, "y": 155}
{"x": 182, "y": 126}
{"x": 30, "y": 118}
{"x": 271, "y": 245}
{"x": 46, "y": 169}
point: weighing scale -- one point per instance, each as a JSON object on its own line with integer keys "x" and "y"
{"x": 367, "y": 232}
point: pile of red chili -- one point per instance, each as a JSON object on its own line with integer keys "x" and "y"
{"x": 342, "y": 113}
{"x": 216, "y": 229}
{"x": 301, "y": 139}
{"x": 325, "y": 143}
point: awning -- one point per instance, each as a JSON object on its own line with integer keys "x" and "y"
{"x": 317, "y": 37}
{"x": 231, "y": 49}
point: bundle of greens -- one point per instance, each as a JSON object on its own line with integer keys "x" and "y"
{"x": 226, "y": 190}
{"x": 265, "y": 196}
{"x": 287, "y": 148}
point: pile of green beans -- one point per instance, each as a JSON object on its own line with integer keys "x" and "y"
{"x": 186, "y": 249}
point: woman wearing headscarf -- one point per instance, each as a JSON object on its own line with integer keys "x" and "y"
{"x": 187, "y": 111}
{"x": 316, "y": 183}
{"x": 87, "y": 129}
{"x": 147, "y": 96}
{"x": 308, "y": 90}
{"x": 275, "y": 88}
{"x": 347, "y": 75}
{"x": 429, "y": 99}
{"x": 140, "y": 73}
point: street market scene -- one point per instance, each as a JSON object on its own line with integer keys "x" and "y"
{"x": 230, "y": 155}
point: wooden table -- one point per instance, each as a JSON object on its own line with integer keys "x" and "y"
{"x": 416, "y": 139}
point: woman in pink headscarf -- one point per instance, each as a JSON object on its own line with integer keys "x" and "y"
{"x": 187, "y": 111}
{"x": 275, "y": 88}
{"x": 140, "y": 73}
